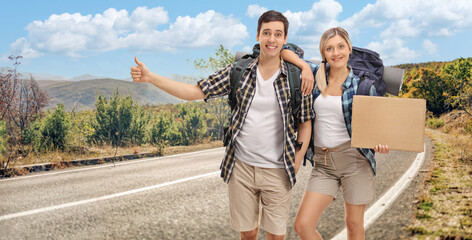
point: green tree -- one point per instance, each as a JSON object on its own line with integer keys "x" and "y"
{"x": 193, "y": 125}
{"x": 55, "y": 129}
{"x": 80, "y": 130}
{"x": 459, "y": 84}
{"x": 6, "y": 155}
{"x": 137, "y": 130}
{"x": 219, "y": 108}
{"x": 113, "y": 118}
{"x": 164, "y": 130}
{"x": 430, "y": 86}
{"x": 222, "y": 57}
{"x": 3, "y": 138}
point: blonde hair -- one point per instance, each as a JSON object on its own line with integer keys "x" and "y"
{"x": 321, "y": 73}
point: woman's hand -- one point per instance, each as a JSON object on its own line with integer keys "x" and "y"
{"x": 381, "y": 148}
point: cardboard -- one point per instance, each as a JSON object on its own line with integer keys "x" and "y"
{"x": 396, "y": 122}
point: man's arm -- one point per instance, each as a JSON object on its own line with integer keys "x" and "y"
{"x": 180, "y": 90}
{"x": 304, "y": 135}
{"x": 308, "y": 79}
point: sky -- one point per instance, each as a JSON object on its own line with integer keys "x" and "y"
{"x": 101, "y": 37}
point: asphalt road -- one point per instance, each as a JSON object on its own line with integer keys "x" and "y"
{"x": 156, "y": 199}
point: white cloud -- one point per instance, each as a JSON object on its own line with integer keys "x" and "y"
{"x": 255, "y": 11}
{"x": 22, "y": 47}
{"x": 142, "y": 30}
{"x": 406, "y": 18}
{"x": 205, "y": 29}
{"x": 316, "y": 20}
{"x": 392, "y": 51}
{"x": 430, "y": 47}
{"x": 409, "y": 21}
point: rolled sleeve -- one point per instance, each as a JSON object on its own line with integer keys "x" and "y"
{"x": 217, "y": 84}
{"x": 314, "y": 66}
{"x": 307, "y": 112}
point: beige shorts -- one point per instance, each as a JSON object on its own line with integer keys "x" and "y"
{"x": 342, "y": 166}
{"x": 253, "y": 187}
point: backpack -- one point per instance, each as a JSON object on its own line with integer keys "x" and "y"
{"x": 293, "y": 78}
{"x": 367, "y": 65}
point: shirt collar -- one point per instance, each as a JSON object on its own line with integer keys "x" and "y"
{"x": 347, "y": 83}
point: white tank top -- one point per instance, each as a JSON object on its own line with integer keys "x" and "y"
{"x": 260, "y": 141}
{"x": 330, "y": 128}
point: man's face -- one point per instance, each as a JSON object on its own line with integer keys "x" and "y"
{"x": 271, "y": 38}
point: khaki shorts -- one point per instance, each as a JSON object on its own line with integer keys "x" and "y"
{"x": 253, "y": 187}
{"x": 342, "y": 166}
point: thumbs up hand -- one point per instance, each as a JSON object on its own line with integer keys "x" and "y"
{"x": 140, "y": 73}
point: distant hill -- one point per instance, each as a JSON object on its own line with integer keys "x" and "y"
{"x": 81, "y": 94}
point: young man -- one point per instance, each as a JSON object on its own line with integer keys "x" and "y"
{"x": 263, "y": 155}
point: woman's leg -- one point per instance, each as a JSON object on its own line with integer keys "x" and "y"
{"x": 355, "y": 221}
{"x": 311, "y": 207}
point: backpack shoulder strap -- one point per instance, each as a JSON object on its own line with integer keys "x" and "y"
{"x": 364, "y": 86}
{"x": 236, "y": 75}
{"x": 295, "y": 91}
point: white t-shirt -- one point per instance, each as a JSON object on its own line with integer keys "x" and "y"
{"x": 260, "y": 141}
{"x": 330, "y": 129}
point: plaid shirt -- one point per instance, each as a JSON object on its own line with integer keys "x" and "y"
{"x": 218, "y": 85}
{"x": 349, "y": 90}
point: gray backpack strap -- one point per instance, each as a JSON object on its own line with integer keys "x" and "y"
{"x": 364, "y": 86}
{"x": 236, "y": 75}
{"x": 295, "y": 91}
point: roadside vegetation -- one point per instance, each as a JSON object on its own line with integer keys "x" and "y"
{"x": 444, "y": 208}
{"x": 118, "y": 125}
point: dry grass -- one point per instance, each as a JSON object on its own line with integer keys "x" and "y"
{"x": 107, "y": 151}
{"x": 444, "y": 209}
{"x": 192, "y": 148}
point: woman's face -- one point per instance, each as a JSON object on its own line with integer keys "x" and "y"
{"x": 337, "y": 52}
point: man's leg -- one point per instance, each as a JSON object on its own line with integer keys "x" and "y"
{"x": 355, "y": 221}
{"x": 270, "y": 236}
{"x": 249, "y": 235}
{"x": 275, "y": 200}
{"x": 243, "y": 201}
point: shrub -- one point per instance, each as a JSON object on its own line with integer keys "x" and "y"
{"x": 434, "y": 123}
{"x": 55, "y": 129}
{"x": 3, "y": 138}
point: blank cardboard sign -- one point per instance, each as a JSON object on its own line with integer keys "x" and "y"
{"x": 396, "y": 122}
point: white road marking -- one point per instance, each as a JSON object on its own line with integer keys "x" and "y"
{"x": 106, "y": 165}
{"x": 389, "y": 197}
{"x": 86, "y": 201}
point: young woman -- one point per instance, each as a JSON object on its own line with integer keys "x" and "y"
{"x": 337, "y": 164}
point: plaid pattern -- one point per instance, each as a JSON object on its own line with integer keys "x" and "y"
{"x": 349, "y": 90}
{"x": 218, "y": 85}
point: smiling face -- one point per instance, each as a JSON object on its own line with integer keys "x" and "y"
{"x": 336, "y": 52}
{"x": 271, "y": 38}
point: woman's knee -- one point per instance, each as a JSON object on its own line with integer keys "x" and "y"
{"x": 354, "y": 224}
{"x": 301, "y": 226}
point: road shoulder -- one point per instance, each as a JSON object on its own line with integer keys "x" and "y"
{"x": 394, "y": 221}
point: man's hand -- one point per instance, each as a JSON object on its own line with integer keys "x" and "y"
{"x": 307, "y": 80}
{"x": 382, "y": 148}
{"x": 140, "y": 73}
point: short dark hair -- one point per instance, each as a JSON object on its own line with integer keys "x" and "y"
{"x": 271, "y": 16}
